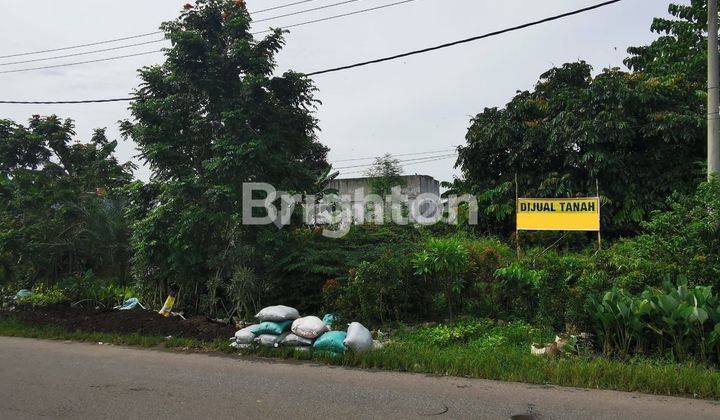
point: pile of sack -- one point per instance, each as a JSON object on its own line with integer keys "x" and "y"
{"x": 282, "y": 326}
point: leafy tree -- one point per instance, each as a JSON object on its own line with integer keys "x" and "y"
{"x": 60, "y": 203}
{"x": 443, "y": 261}
{"x": 640, "y": 137}
{"x": 640, "y": 134}
{"x": 681, "y": 48}
{"x": 210, "y": 118}
{"x": 385, "y": 174}
{"x": 681, "y": 243}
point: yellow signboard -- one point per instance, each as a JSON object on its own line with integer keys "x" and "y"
{"x": 570, "y": 214}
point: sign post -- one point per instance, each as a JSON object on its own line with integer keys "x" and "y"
{"x": 517, "y": 231}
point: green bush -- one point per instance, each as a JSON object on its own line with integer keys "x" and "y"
{"x": 479, "y": 334}
{"x": 44, "y": 296}
{"x": 680, "y": 322}
{"x": 682, "y": 243}
{"x": 76, "y": 289}
{"x": 379, "y": 291}
{"x": 482, "y": 292}
{"x": 443, "y": 262}
{"x": 520, "y": 287}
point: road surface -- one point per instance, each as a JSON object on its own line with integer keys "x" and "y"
{"x": 41, "y": 379}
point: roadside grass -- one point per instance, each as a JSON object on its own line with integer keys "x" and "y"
{"x": 509, "y": 361}
{"x": 10, "y": 327}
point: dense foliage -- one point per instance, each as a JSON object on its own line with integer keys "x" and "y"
{"x": 573, "y": 129}
{"x": 61, "y": 204}
{"x": 75, "y": 226}
{"x": 210, "y": 118}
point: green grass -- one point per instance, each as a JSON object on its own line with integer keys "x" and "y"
{"x": 12, "y": 328}
{"x": 456, "y": 355}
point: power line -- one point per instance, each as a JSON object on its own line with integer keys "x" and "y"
{"x": 55, "y": 57}
{"x": 162, "y": 40}
{"x": 409, "y": 164}
{"x": 110, "y": 41}
{"x": 81, "y": 62}
{"x": 467, "y": 40}
{"x": 464, "y": 41}
{"x": 282, "y": 6}
{"x": 392, "y": 156}
{"x": 160, "y": 50}
{"x": 340, "y": 16}
{"x": 327, "y": 6}
{"x": 399, "y": 161}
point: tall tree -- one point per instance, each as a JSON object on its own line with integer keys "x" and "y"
{"x": 385, "y": 174}
{"x": 208, "y": 119}
{"x": 680, "y": 49}
{"x": 640, "y": 134}
{"x": 60, "y": 203}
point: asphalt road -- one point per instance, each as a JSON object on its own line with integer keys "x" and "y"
{"x": 40, "y": 379}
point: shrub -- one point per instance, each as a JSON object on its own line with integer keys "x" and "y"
{"x": 443, "y": 261}
{"x": 482, "y": 292}
{"x": 682, "y": 321}
{"x": 381, "y": 290}
{"x": 682, "y": 243}
{"x": 519, "y": 290}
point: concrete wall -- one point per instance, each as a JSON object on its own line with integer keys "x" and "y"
{"x": 414, "y": 185}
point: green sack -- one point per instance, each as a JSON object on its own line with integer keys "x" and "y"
{"x": 330, "y": 319}
{"x": 331, "y": 341}
{"x": 268, "y": 327}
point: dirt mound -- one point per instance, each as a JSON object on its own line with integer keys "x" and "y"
{"x": 143, "y": 322}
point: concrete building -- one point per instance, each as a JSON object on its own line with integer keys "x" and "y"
{"x": 412, "y": 186}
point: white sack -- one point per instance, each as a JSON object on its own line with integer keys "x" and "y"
{"x": 309, "y": 327}
{"x": 358, "y": 338}
{"x": 270, "y": 340}
{"x": 244, "y": 336}
{"x": 277, "y": 314}
{"x": 293, "y": 340}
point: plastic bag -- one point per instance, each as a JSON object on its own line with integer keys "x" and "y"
{"x": 330, "y": 319}
{"x": 292, "y": 340}
{"x": 271, "y": 327}
{"x": 309, "y": 327}
{"x": 129, "y": 304}
{"x": 245, "y": 335}
{"x": 23, "y": 293}
{"x": 277, "y": 314}
{"x": 331, "y": 341}
{"x": 359, "y": 338}
{"x": 270, "y": 340}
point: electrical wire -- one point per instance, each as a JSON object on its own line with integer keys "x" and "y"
{"x": 282, "y": 6}
{"x": 393, "y": 156}
{"x": 300, "y": 12}
{"x": 55, "y": 57}
{"x": 339, "y": 16}
{"x": 160, "y": 50}
{"x": 81, "y": 62}
{"x": 163, "y": 39}
{"x": 464, "y": 41}
{"x": 404, "y": 165}
{"x": 399, "y": 161}
{"x": 366, "y": 63}
{"x": 110, "y": 41}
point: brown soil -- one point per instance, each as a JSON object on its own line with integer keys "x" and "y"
{"x": 140, "y": 321}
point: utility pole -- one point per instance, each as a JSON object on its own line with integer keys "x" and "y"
{"x": 713, "y": 91}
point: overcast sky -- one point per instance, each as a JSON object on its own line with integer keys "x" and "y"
{"x": 417, "y": 104}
